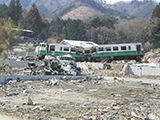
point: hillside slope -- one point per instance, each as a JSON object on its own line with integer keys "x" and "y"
{"x": 81, "y": 12}
{"x": 146, "y": 11}
{"x": 85, "y": 8}
{"x": 45, "y": 6}
{"x": 76, "y": 8}
{"x": 138, "y": 8}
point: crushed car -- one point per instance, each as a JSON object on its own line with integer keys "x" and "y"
{"x": 31, "y": 69}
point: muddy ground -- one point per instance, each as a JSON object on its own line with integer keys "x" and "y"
{"x": 82, "y": 99}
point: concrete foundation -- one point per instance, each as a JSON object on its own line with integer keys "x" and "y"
{"x": 152, "y": 69}
{"x": 19, "y": 63}
{"x": 4, "y": 78}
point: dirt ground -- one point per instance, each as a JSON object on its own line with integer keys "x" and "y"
{"x": 82, "y": 99}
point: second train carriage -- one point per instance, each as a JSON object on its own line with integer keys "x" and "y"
{"x": 118, "y": 52}
{"x": 94, "y": 53}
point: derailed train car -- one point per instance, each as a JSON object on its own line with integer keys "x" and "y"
{"x": 118, "y": 52}
{"x": 80, "y": 50}
{"x": 89, "y": 51}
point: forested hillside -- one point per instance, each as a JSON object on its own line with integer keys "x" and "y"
{"x": 54, "y": 8}
{"x": 45, "y": 6}
{"x": 85, "y": 8}
{"x": 146, "y": 11}
{"x": 138, "y": 8}
{"x": 153, "y": 31}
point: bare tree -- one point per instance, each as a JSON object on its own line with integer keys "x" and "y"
{"x": 90, "y": 34}
{"x": 132, "y": 30}
{"x": 101, "y": 35}
{"x": 105, "y": 35}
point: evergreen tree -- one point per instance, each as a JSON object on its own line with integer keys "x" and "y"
{"x": 81, "y": 31}
{"x": 18, "y": 11}
{"x": 10, "y": 12}
{"x": 69, "y": 29}
{"x": 55, "y": 26}
{"x": 34, "y": 20}
{"x": 107, "y": 23}
{"x": 3, "y": 8}
{"x": 14, "y": 11}
{"x": 75, "y": 30}
{"x": 156, "y": 12}
{"x": 95, "y": 22}
{"x": 153, "y": 31}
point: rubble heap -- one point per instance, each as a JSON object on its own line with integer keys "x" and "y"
{"x": 153, "y": 56}
{"x": 5, "y": 69}
{"x": 52, "y": 67}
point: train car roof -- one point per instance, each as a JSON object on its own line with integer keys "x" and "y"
{"x": 82, "y": 44}
{"x": 121, "y": 44}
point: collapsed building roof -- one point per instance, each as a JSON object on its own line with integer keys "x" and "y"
{"x": 82, "y": 44}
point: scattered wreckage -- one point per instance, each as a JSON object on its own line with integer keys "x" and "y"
{"x": 64, "y": 65}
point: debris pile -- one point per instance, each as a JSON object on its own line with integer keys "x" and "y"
{"x": 101, "y": 69}
{"x": 52, "y": 67}
{"x": 5, "y": 69}
{"x": 153, "y": 56}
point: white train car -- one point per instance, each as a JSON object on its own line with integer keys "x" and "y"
{"x": 96, "y": 53}
{"x": 118, "y": 52}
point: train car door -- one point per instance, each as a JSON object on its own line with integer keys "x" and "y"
{"x": 52, "y": 49}
{"x": 138, "y": 49}
{"x": 47, "y": 48}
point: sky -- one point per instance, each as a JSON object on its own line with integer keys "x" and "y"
{"x": 114, "y": 1}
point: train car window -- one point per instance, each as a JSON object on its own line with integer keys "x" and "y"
{"x": 108, "y": 48}
{"x": 66, "y": 48}
{"x": 80, "y": 50}
{"x": 93, "y": 50}
{"x": 123, "y": 48}
{"x": 60, "y": 48}
{"x": 100, "y": 49}
{"x": 87, "y": 51}
{"x": 43, "y": 45}
{"x": 52, "y": 48}
{"x": 129, "y": 47}
{"x": 115, "y": 48}
{"x": 73, "y": 50}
